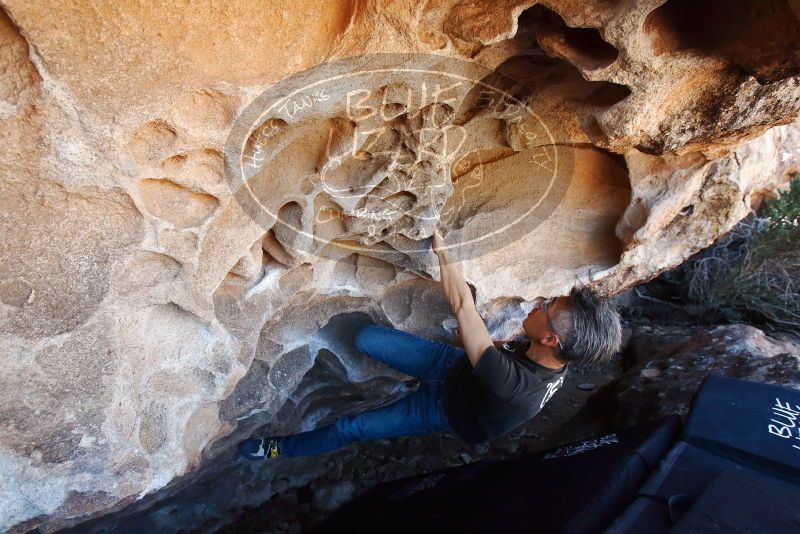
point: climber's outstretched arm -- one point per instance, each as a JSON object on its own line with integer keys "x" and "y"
{"x": 474, "y": 336}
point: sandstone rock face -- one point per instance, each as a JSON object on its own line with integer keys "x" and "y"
{"x": 148, "y": 320}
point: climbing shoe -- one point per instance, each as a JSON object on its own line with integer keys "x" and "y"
{"x": 259, "y": 448}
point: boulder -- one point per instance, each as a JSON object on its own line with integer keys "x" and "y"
{"x": 667, "y": 364}
{"x": 168, "y": 319}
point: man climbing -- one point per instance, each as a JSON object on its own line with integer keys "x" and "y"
{"x": 478, "y": 392}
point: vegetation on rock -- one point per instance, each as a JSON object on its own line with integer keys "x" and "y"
{"x": 753, "y": 273}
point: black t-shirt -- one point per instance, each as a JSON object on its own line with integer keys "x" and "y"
{"x": 504, "y": 390}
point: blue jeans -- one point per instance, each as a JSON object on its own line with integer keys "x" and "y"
{"x": 420, "y": 412}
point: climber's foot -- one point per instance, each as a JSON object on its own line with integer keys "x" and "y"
{"x": 259, "y": 448}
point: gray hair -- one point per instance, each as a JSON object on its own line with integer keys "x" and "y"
{"x": 592, "y": 333}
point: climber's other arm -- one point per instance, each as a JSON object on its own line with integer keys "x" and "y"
{"x": 474, "y": 336}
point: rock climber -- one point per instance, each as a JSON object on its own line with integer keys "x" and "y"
{"x": 477, "y": 391}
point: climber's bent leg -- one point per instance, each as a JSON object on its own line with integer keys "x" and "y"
{"x": 410, "y": 354}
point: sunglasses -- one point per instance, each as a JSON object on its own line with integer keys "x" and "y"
{"x": 545, "y": 304}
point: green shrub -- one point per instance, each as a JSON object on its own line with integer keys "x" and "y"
{"x": 753, "y": 273}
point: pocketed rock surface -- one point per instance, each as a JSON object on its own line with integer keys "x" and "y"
{"x": 148, "y": 322}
